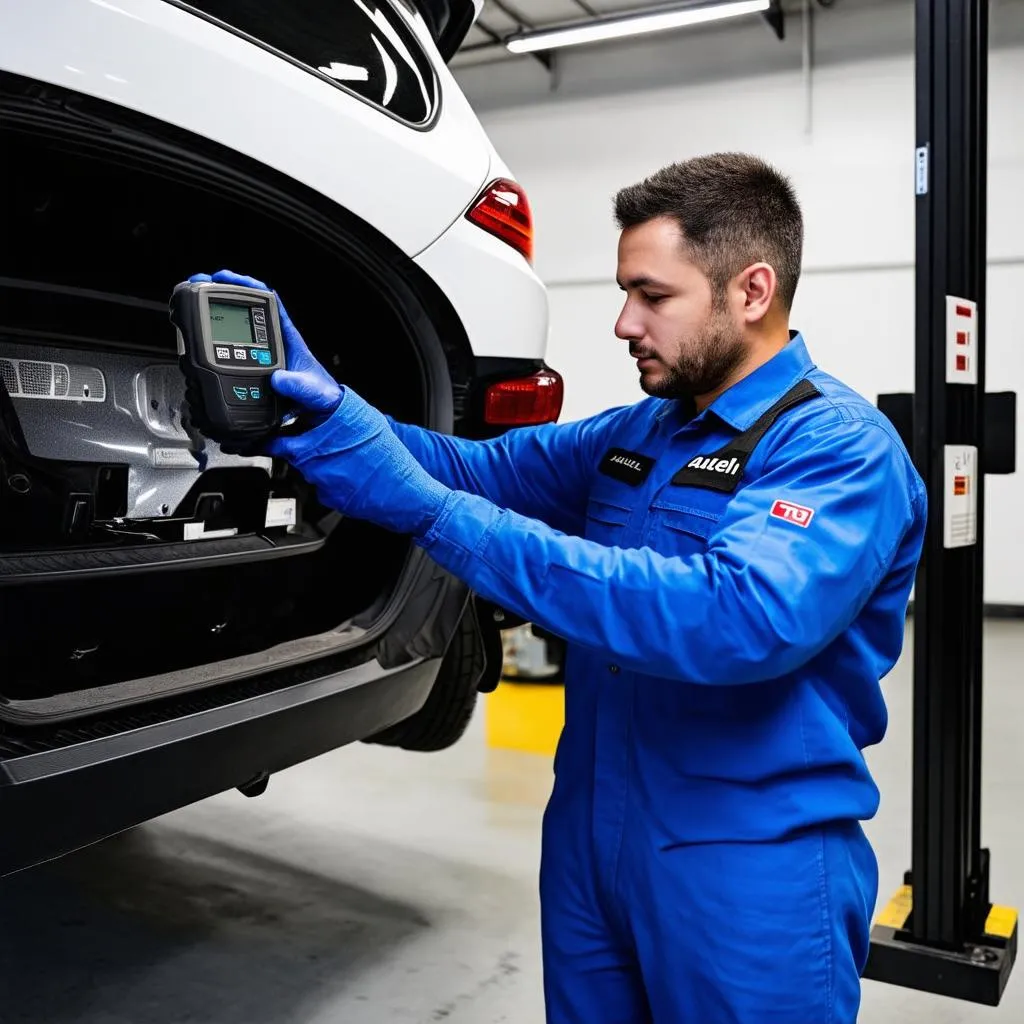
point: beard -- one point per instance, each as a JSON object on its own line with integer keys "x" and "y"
{"x": 704, "y": 363}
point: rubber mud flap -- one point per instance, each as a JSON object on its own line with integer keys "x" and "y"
{"x": 491, "y": 651}
{"x": 427, "y": 622}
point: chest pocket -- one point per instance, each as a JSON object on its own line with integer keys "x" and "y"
{"x": 678, "y": 530}
{"x": 607, "y": 521}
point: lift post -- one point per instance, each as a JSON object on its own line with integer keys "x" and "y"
{"x": 941, "y": 933}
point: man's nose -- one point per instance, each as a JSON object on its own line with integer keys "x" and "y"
{"x": 626, "y": 327}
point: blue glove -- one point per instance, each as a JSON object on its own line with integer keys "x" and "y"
{"x": 305, "y": 382}
{"x": 352, "y": 456}
{"x": 360, "y": 468}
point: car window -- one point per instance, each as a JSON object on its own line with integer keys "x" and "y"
{"x": 363, "y": 45}
{"x": 448, "y": 21}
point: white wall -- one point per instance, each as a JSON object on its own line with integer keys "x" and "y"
{"x": 617, "y": 114}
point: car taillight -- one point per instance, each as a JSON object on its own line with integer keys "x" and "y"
{"x": 503, "y": 210}
{"x": 525, "y": 401}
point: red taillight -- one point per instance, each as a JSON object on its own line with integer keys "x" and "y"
{"x": 503, "y": 210}
{"x": 525, "y": 401}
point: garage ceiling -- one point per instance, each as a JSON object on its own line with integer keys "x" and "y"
{"x": 500, "y": 19}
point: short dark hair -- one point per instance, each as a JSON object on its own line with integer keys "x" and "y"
{"x": 734, "y": 209}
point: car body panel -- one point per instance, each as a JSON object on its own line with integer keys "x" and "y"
{"x": 501, "y": 302}
{"x": 156, "y": 58}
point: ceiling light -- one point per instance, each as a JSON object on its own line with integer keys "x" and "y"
{"x": 632, "y": 25}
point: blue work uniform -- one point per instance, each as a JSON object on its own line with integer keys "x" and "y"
{"x": 733, "y": 586}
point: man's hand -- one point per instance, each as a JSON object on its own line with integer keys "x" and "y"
{"x": 352, "y": 456}
{"x": 305, "y": 381}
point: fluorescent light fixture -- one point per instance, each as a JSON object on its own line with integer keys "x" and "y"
{"x": 632, "y": 25}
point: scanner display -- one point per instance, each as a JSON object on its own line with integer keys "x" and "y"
{"x": 231, "y": 323}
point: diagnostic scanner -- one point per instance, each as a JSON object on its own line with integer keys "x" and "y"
{"x": 229, "y": 344}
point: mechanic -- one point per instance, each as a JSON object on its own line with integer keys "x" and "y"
{"x": 730, "y": 560}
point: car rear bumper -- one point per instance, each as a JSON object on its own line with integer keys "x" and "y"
{"x": 57, "y": 800}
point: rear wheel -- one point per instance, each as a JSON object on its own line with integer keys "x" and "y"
{"x": 472, "y": 663}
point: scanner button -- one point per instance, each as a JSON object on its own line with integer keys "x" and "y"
{"x": 244, "y": 391}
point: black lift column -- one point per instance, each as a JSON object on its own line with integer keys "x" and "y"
{"x": 940, "y": 933}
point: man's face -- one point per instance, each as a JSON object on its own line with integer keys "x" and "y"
{"x": 684, "y": 341}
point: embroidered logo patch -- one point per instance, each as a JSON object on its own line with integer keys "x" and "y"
{"x": 799, "y": 515}
{"x": 711, "y": 464}
{"x": 628, "y": 467}
{"x": 718, "y": 472}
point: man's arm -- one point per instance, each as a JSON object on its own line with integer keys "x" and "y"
{"x": 540, "y": 472}
{"x": 766, "y": 597}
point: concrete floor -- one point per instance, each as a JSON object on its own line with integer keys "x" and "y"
{"x": 375, "y": 886}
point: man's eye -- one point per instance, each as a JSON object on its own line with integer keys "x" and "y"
{"x": 654, "y": 299}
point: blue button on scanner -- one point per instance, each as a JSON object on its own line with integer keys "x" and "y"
{"x": 240, "y": 393}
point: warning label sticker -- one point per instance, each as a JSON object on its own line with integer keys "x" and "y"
{"x": 960, "y": 502}
{"x": 961, "y": 331}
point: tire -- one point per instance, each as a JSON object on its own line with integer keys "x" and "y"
{"x": 448, "y": 710}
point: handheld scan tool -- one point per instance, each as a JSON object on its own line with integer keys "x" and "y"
{"x": 229, "y": 344}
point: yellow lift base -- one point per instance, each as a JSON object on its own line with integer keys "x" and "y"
{"x": 525, "y": 716}
{"x": 977, "y": 973}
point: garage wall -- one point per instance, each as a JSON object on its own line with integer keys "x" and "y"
{"x": 617, "y": 114}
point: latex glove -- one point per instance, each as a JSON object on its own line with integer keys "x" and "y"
{"x": 305, "y": 381}
{"x": 360, "y": 468}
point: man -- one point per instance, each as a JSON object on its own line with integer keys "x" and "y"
{"x": 730, "y": 560}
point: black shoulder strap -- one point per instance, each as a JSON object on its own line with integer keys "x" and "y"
{"x": 722, "y": 470}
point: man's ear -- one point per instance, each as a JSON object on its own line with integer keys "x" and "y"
{"x": 759, "y": 285}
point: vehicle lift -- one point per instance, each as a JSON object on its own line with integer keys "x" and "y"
{"x": 941, "y": 933}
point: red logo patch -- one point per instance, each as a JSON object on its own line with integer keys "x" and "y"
{"x": 799, "y": 515}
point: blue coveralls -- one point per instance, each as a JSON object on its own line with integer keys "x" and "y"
{"x": 733, "y": 587}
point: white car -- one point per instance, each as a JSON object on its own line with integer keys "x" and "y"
{"x": 172, "y": 629}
